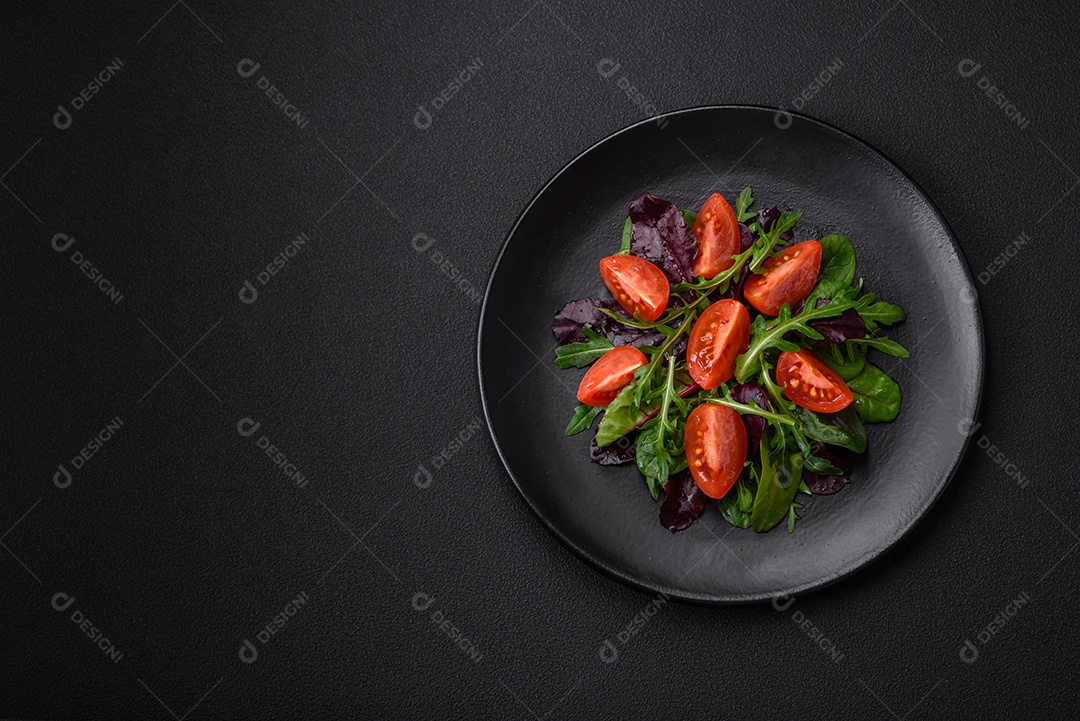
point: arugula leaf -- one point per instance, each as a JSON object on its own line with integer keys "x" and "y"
{"x": 579, "y": 355}
{"x": 621, "y": 417}
{"x": 877, "y": 396}
{"x": 839, "y": 429}
{"x": 625, "y": 249}
{"x": 583, "y": 419}
{"x": 793, "y": 516}
{"x": 881, "y": 313}
{"x": 883, "y": 344}
{"x": 689, "y": 216}
{"x": 764, "y": 336}
{"x": 737, "y": 504}
{"x": 837, "y": 259}
{"x": 744, "y": 201}
{"x": 763, "y": 246}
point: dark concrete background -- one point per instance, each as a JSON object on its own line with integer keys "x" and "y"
{"x": 180, "y": 539}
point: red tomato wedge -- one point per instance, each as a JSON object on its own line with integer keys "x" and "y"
{"x": 786, "y": 278}
{"x": 716, "y": 340}
{"x": 717, "y": 231}
{"x": 715, "y": 448}
{"x": 638, "y": 285}
{"x": 612, "y": 372}
{"x": 809, "y": 383}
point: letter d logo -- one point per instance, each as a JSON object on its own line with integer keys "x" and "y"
{"x": 64, "y": 243}
{"x": 248, "y": 294}
{"x": 62, "y": 118}
{"x": 421, "y": 242}
{"x": 61, "y": 601}
{"x": 785, "y": 605}
{"x": 422, "y": 119}
{"x": 247, "y": 427}
{"x": 62, "y": 477}
{"x": 248, "y": 653}
{"x": 247, "y": 67}
{"x": 421, "y": 601}
{"x": 422, "y": 478}
{"x": 607, "y": 67}
{"x": 968, "y": 652}
{"x": 967, "y": 68}
{"x": 608, "y": 652}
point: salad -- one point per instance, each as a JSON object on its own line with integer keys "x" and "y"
{"x": 730, "y": 362}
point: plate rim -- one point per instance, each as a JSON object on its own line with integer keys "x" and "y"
{"x": 719, "y": 600}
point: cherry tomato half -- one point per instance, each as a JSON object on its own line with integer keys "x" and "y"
{"x": 716, "y": 340}
{"x": 715, "y": 448}
{"x": 638, "y": 285}
{"x": 786, "y": 278}
{"x": 809, "y": 383}
{"x": 612, "y": 372}
{"x": 717, "y": 231}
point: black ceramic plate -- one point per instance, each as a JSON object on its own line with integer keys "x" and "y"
{"x": 906, "y": 254}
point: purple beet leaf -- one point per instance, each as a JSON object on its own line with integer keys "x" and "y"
{"x": 659, "y": 233}
{"x": 752, "y": 393}
{"x": 826, "y": 485}
{"x": 621, "y": 451}
{"x": 683, "y": 503}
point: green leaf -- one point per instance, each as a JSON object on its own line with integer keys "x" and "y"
{"x": 847, "y": 360}
{"x": 877, "y": 396}
{"x": 883, "y": 344}
{"x": 689, "y": 216}
{"x": 653, "y": 463}
{"x": 820, "y": 466}
{"x": 625, "y": 249}
{"x": 837, "y": 260}
{"x": 579, "y": 355}
{"x": 776, "y": 490}
{"x": 737, "y": 504}
{"x": 793, "y": 516}
{"x": 744, "y": 201}
{"x": 839, "y": 429}
{"x": 621, "y": 417}
{"x": 825, "y": 289}
{"x": 881, "y": 313}
{"x": 583, "y": 419}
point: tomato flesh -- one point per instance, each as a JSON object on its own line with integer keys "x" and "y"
{"x": 811, "y": 384}
{"x": 611, "y": 372}
{"x": 639, "y": 286}
{"x": 715, "y": 448}
{"x": 716, "y": 340}
{"x": 717, "y": 231}
{"x": 785, "y": 278}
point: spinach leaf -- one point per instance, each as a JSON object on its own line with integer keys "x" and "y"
{"x": 776, "y": 490}
{"x": 583, "y": 419}
{"x": 847, "y": 360}
{"x": 837, "y": 259}
{"x": 877, "y": 396}
{"x": 839, "y": 429}
{"x": 654, "y": 466}
{"x": 579, "y": 355}
{"x": 737, "y": 504}
{"x": 621, "y": 417}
